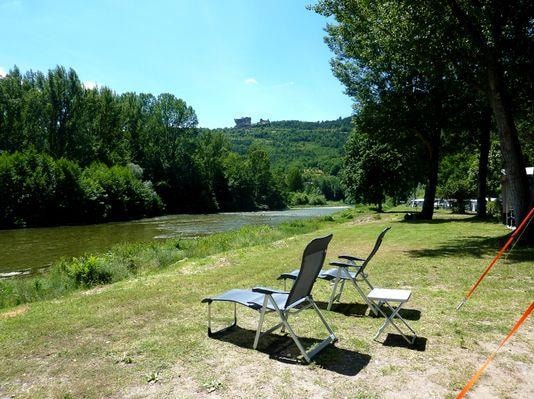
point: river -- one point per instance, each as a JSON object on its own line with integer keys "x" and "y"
{"x": 24, "y": 251}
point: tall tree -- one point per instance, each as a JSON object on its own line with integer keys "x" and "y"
{"x": 386, "y": 53}
{"x": 500, "y": 43}
{"x": 64, "y": 91}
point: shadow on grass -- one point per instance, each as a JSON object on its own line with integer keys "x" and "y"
{"x": 474, "y": 246}
{"x": 396, "y": 340}
{"x": 283, "y": 349}
{"x": 347, "y": 309}
{"x": 415, "y": 219}
{"x": 361, "y": 310}
{"x": 408, "y": 314}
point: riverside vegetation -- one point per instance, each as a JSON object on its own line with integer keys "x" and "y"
{"x": 66, "y": 148}
{"x": 129, "y": 260}
{"x": 145, "y": 336}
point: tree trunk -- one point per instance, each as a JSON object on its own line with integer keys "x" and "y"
{"x": 483, "y": 165}
{"x": 433, "y": 147}
{"x": 510, "y": 149}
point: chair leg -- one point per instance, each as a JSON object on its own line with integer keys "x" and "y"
{"x": 341, "y": 290}
{"x": 364, "y": 276}
{"x": 364, "y": 297}
{"x": 210, "y": 332}
{"x": 330, "y": 331}
{"x": 260, "y": 322}
{"x": 334, "y": 290}
{"x": 293, "y": 335}
{"x": 209, "y": 319}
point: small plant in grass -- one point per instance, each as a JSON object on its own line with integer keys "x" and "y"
{"x": 212, "y": 386}
{"x": 153, "y": 377}
{"x": 365, "y": 395}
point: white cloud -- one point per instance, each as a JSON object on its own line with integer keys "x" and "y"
{"x": 250, "y": 81}
{"x": 89, "y": 84}
{"x": 2, "y": 72}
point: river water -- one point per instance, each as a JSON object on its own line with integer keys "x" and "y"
{"x": 27, "y": 250}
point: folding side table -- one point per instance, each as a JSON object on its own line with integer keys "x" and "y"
{"x": 388, "y": 297}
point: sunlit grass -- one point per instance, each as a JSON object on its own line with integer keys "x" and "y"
{"x": 146, "y": 335}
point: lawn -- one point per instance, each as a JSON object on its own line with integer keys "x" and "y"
{"x": 146, "y": 336}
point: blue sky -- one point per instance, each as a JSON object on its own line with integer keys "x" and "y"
{"x": 226, "y": 58}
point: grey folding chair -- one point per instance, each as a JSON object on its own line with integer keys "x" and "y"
{"x": 266, "y": 300}
{"x": 342, "y": 272}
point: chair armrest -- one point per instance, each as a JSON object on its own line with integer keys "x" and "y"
{"x": 268, "y": 291}
{"x": 352, "y": 258}
{"x": 291, "y": 275}
{"x": 342, "y": 264}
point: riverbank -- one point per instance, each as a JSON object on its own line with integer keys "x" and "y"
{"x": 146, "y": 336}
{"x": 127, "y": 260}
{"x": 31, "y": 249}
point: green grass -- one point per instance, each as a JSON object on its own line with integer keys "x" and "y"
{"x": 145, "y": 335}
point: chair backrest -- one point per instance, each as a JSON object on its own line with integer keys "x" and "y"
{"x": 375, "y": 248}
{"x": 312, "y": 262}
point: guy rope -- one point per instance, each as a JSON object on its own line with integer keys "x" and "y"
{"x": 522, "y": 227}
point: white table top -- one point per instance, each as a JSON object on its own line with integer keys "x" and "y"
{"x": 390, "y": 295}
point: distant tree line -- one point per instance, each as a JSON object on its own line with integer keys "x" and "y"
{"x": 70, "y": 154}
{"x": 306, "y": 156}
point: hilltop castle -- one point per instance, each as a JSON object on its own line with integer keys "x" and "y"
{"x": 245, "y": 122}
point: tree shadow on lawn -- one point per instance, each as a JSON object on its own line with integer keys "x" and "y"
{"x": 283, "y": 349}
{"x": 474, "y": 246}
{"x": 361, "y": 310}
{"x": 416, "y": 220}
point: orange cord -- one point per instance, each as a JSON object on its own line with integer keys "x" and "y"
{"x": 498, "y": 256}
{"x": 490, "y": 358}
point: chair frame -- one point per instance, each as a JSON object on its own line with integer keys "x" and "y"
{"x": 343, "y": 274}
{"x": 269, "y": 305}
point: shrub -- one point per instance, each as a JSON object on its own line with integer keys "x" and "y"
{"x": 298, "y": 199}
{"x": 316, "y": 199}
{"x": 493, "y": 209}
{"x": 88, "y": 271}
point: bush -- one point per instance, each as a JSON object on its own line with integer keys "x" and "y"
{"x": 316, "y": 199}
{"x": 38, "y": 190}
{"x": 493, "y": 209}
{"x": 88, "y": 271}
{"x": 298, "y": 199}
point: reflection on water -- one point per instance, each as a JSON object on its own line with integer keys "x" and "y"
{"x": 34, "y": 248}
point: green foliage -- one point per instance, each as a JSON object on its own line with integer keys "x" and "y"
{"x": 88, "y": 271}
{"x": 297, "y": 199}
{"x": 294, "y": 148}
{"x": 494, "y": 209}
{"x": 458, "y": 179}
{"x": 96, "y": 156}
{"x": 295, "y": 181}
{"x": 374, "y": 171}
{"x": 311, "y": 144}
{"x": 116, "y": 193}
{"x": 36, "y": 190}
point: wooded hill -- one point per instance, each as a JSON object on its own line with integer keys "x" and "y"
{"x": 317, "y": 145}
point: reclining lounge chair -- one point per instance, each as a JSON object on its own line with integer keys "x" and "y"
{"x": 342, "y": 272}
{"x": 266, "y": 300}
